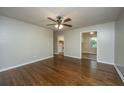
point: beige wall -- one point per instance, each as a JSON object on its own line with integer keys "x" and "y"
{"x": 86, "y": 48}
{"x": 105, "y": 42}
{"x": 22, "y": 43}
{"x": 55, "y": 42}
{"x": 119, "y": 45}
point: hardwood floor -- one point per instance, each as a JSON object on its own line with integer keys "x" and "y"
{"x": 62, "y": 71}
{"x": 89, "y": 56}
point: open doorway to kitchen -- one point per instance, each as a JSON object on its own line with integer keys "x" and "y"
{"x": 89, "y": 45}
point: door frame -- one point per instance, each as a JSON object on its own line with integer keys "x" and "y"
{"x": 81, "y": 33}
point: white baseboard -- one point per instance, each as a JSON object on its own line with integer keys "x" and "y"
{"x": 119, "y": 73}
{"x": 73, "y": 56}
{"x": 105, "y": 62}
{"x": 37, "y": 60}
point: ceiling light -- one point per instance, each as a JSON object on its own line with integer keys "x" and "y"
{"x": 56, "y": 26}
{"x": 60, "y": 26}
{"x": 91, "y": 33}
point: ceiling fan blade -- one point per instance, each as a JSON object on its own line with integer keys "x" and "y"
{"x": 67, "y": 25}
{"x": 52, "y": 19}
{"x": 50, "y": 24}
{"x": 66, "y": 20}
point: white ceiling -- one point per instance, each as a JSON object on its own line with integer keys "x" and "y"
{"x": 80, "y": 16}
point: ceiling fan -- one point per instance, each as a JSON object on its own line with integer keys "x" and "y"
{"x": 59, "y": 22}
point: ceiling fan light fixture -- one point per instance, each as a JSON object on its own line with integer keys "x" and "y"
{"x": 56, "y": 26}
{"x": 59, "y": 22}
{"x": 60, "y": 26}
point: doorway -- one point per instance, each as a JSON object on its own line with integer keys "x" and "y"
{"x": 89, "y": 45}
{"x": 58, "y": 43}
{"x": 61, "y": 47}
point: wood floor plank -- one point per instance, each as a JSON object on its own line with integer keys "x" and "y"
{"x": 61, "y": 70}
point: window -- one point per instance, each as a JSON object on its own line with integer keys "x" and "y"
{"x": 93, "y": 42}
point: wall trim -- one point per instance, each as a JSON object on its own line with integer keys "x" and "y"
{"x": 119, "y": 73}
{"x": 105, "y": 62}
{"x": 73, "y": 56}
{"x": 16, "y": 66}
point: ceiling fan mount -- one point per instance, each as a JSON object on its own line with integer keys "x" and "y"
{"x": 59, "y": 17}
{"x": 59, "y": 22}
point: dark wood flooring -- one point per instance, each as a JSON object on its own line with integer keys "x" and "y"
{"x": 89, "y": 56}
{"x": 62, "y": 71}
